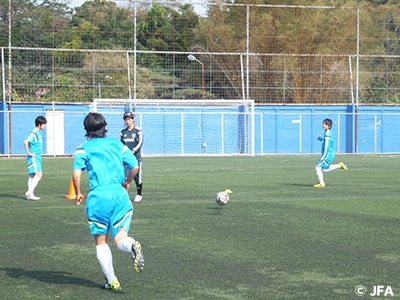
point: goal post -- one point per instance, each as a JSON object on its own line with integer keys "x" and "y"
{"x": 185, "y": 127}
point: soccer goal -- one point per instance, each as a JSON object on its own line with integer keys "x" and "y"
{"x": 185, "y": 127}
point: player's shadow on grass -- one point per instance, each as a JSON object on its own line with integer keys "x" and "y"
{"x": 306, "y": 185}
{"x": 19, "y": 197}
{"x": 217, "y": 210}
{"x": 49, "y": 277}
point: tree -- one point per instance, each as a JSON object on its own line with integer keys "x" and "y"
{"x": 101, "y": 24}
{"x": 277, "y": 34}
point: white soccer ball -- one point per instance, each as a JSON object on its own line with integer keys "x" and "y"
{"x": 222, "y": 198}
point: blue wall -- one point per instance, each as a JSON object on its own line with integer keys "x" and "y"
{"x": 281, "y": 129}
{"x": 23, "y": 121}
{"x": 293, "y": 129}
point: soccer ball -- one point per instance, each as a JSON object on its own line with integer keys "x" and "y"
{"x": 222, "y": 198}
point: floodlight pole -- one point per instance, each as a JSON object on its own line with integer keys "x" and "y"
{"x": 191, "y": 57}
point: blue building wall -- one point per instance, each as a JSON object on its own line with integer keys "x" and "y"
{"x": 23, "y": 121}
{"x": 281, "y": 129}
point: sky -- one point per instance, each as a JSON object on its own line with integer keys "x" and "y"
{"x": 198, "y": 5}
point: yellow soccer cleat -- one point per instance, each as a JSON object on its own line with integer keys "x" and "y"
{"x": 319, "y": 185}
{"x": 113, "y": 285}
{"x": 343, "y": 166}
{"x": 137, "y": 256}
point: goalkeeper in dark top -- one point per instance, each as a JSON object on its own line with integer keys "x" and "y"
{"x": 132, "y": 137}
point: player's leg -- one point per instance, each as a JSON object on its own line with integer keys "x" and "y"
{"x": 35, "y": 175}
{"x": 98, "y": 212}
{"x": 139, "y": 183}
{"x": 336, "y": 166}
{"x": 319, "y": 169}
{"x": 30, "y": 179}
{"x": 332, "y": 167}
{"x": 35, "y": 181}
{"x": 320, "y": 177}
{"x": 105, "y": 259}
{"x": 120, "y": 225}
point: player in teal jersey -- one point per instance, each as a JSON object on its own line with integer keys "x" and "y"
{"x": 34, "y": 146}
{"x": 324, "y": 164}
{"x": 108, "y": 207}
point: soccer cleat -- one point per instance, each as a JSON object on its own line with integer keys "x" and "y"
{"x": 113, "y": 285}
{"x": 137, "y": 256}
{"x": 31, "y": 197}
{"x": 319, "y": 185}
{"x": 343, "y": 166}
{"x": 138, "y": 198}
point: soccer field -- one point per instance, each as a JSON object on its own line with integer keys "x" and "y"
{"x": 277, "y": 238}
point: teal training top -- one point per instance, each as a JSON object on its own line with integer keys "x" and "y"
{"x": 104, "y": 159}
{"x": 35, "y": 142}
{"x": 327, "y": 151}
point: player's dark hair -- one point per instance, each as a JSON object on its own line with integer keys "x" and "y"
{"x": 129, "y": 114}
{"x": 328, "y": 122}
{"x": 95, "y": 125}
{"x": 40, "y": 120}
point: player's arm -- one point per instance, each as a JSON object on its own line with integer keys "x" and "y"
{"x": 326, "y": 148}
{"x": 131, "y": 175}
{"x": 131, "y": 162}
{"x": 26, "y": 146}
{"x": 76, "y": 179}
{"x": 122, "y": 136}
{"x": 140, "y": 142}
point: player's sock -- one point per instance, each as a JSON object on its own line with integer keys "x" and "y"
{"x": 139, "y": 189}
{"x": 320, "y": 175}
{"x": 104, "y": 256}
{"x": 125, "y": 244}
{"x": 34, "y": 183}
{"x": 29, "y": 182}
{"x": 333, "y": 167}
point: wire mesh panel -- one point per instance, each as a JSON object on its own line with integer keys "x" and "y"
{"x": 80, "y": 77}
{"x": 163, "y": 50}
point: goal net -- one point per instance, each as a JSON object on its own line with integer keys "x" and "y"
{"x": 185, "y": 127}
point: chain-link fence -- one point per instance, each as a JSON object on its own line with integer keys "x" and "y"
{"x": 269, "y": 53}
{"x": 274, "y": 130}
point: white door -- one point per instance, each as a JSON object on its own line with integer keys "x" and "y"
{"x": 55, "y": 132}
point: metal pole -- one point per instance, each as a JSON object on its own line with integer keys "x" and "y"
{"x": 247, "y": 52}
{"x": 242, "y": 77}
{"x": 134, "y": 54}
{"x": 129, "y": 75}
{"x": 351, "y": 81}
{"x": 202, "y": 81}
{"x": 357, "y": 76}
{"x": 9, "y": 80}
{"x": 3, "y": 75}
{"x": 193, "y": 58}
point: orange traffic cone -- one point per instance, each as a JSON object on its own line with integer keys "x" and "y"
{"x": 71, "y": 193}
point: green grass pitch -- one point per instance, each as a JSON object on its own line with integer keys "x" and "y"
{"x": 277, "y": 238}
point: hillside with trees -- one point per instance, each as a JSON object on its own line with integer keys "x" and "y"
{"x": 307, "y": 41}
